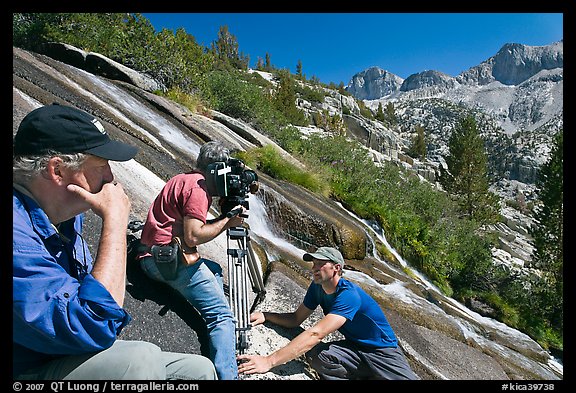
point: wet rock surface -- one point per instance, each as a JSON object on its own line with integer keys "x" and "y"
{"x": 441, "y": 339}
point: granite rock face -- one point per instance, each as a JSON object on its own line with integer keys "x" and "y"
{"x": 442, "y": 339}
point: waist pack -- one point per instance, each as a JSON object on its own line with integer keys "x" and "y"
{"x": 168, "y": 257}
{"x": 189, "y": 255}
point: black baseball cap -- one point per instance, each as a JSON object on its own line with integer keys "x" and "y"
{"x": 67, "y": 130}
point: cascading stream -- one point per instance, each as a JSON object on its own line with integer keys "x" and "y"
{"x": 165, "y": 142}
{"x": 471, "y": 323}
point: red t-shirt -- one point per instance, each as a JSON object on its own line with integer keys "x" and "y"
{"x": 183, "y": 195}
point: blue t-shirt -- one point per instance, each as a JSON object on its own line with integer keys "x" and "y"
{"x": 365, "y": 323}
{"x": 58, "y": 307}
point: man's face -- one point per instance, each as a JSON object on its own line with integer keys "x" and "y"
{"x": 323, "y": 270}
{"x": 94, "y": 173}
{"x": 91, "y": 176}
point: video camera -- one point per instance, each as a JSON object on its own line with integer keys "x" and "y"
{"x": 232, "y": 182}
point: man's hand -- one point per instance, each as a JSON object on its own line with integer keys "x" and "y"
{"x": 257, "y": 318}
{"x": 238, "y": 219}
{"x": 111, "y": 202}
{"x": 253, "y": 364}
{"x": 113, "y": 205}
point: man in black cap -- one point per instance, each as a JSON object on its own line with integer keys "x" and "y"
{"x": 369, "y": 349}
{"x": 67, "y": 306}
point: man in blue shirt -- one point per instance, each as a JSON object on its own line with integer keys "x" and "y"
{"x": 67, "y": 306}
{"x": 370, "y": 348}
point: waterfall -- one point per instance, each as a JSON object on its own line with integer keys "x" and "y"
{"x": 259, "y": 224}
{"x": 166, "y": 138}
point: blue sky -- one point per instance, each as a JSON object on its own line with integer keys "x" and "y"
{"x": 335, "y": 46}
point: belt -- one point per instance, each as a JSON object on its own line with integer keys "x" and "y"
{"x": 142, "y": 248}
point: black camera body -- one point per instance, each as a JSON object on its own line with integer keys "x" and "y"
{"x": 232, "y": 182}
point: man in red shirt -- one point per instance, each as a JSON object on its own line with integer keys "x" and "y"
{"x": 180, "y": 212}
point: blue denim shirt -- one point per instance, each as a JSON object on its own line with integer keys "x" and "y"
{"x": 59, "y": 308}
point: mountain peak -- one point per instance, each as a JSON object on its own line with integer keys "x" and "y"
{"x": 515, "y": 63}
{"x": 372, "y": 83}
{"x": 520, "y": 85}
{"x": 426, "y": 79}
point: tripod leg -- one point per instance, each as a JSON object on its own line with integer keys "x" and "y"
{"x": 244, "y": 320}
{"x": 243, "y": 263}
{"x": 238, "y": 287}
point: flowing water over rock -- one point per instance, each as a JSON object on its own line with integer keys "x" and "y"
{"x": 442, "y": 338}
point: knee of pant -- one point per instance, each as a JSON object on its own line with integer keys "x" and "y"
{"x": 218, "y": 312}
{"x": 220, "y": 320}
{"x": 320, "y": 357}
{"x": 326, "y": 365}
{"x": 141, "y": 361}
{"x": 192, "y": 366}
{"x": 316, "y": 358}
{"x": 206, "y": 370}
{"x": 144, "y": 349}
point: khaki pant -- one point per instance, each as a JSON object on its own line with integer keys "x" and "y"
{"x": 136, "y": 360}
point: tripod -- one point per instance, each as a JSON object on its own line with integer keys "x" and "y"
{"x": 242, "y": 264}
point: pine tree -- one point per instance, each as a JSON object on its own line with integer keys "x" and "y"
{"x": 226, "y": 49}
{"x": 391, "y": 113}
{"x": 267, "y": 64}
{"x": 548, "y": 234}
{"x": 285, "y": 99}
{"x": 299, "y": 69}
{"x": 467, "y": 176}
{"x": 418, "y": 147}
{"x": 227, "y": 45}
{"x": 380, "y": 113}
{"x": 260, "y": 64}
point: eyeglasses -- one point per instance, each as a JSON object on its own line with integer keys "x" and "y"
{"x": 81, "y": 266}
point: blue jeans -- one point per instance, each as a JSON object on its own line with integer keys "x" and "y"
{"x": 201, "y": 284}
{"x": 132, "y": 360}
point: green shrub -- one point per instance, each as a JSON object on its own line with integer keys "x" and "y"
{"x": 422, "y": 223}
{"x": 268, "y": 160}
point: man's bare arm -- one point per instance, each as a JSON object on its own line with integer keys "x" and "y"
{"x": 306, "y": 340}
{"x": 113, "y": 206}
{"x": 289, "y": 320}
{"x": 196, "y": 232}
{"x": 251, "y": 364}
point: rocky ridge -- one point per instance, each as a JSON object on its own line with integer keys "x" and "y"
{"x": 516, "y": 97}
{"x": 133, "y": 115}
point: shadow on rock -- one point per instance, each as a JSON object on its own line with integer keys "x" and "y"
{"x": 143, "y": 288}
{"x": 287, "y": 333}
